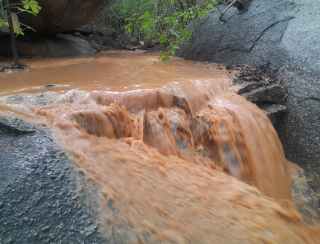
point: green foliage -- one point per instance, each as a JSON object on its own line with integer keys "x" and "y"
{"x": 24, "y": 6}
{"x": 161, "y": 21}
{"x": 3, "y": 16}
{"x": 30, "y": 6}
{"x": 3, "y": 23}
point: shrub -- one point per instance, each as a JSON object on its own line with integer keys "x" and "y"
{"x": 164, "y": 22}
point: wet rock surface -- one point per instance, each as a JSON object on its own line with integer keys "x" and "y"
{"x": 305, "y": 198}
{"x": 39, "y": 200}
{"x": 285, "y": 34}
{"x": 15, "y": 126}
{"x": 8, "y": 67}
{"x": 262, "y": 86}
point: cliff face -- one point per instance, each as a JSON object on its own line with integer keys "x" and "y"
{"x": 61, "y": 15}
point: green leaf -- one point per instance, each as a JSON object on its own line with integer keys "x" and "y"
{"x": 32, "y": 6}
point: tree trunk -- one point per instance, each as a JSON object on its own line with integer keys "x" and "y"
{"x": 14, "y": 50}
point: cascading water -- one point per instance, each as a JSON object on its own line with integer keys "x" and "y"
{"x": 182, "y": 159}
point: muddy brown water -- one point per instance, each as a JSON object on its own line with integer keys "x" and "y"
{"x": 112, "y": 70}
{"x": 181, "y": 156}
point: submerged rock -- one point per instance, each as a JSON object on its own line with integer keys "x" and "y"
{"x": 183, "y": 162}
{"x": 147, "y": 166}
{"x": 179, "y": 144}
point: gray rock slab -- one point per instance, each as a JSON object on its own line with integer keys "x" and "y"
{"x": 39, "y": 200}
{"x": 285, "y": 34}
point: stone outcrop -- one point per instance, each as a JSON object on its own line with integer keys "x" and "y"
{"x": 284, "y": 34}
{"x": 41, "y": 200}
{"x": 61, "y": 45}
{"x": 58, "y": 16}
{"x": 52, "y": 30}
{"x": 262, "y": 86}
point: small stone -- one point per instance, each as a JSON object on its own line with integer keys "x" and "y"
{"x": 50, "y": 85}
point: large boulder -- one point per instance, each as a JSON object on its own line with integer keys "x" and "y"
{"x": 56, "y": 17}
{"x": 61, "y": 15}
{"x": 41, "y": 200}
{"x": 61, "y": 45}
{"x": 285, "y": 34}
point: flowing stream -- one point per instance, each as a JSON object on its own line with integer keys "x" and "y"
{"x": 177, "y": 156}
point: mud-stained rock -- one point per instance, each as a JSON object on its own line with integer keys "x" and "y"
{"x": 176, "y": 167}
{"x": 41, "y": 202}
{"x": 154, "y": 186}
{"x": 157, "y": 133}
{"x": 112, "y": 122}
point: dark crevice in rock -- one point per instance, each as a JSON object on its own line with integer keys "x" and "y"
{"x": 261, "y": 85}
{"x": 256, "y": 41}
{"x": 267, "y": 29}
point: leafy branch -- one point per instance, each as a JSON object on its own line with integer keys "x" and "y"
{"x": 9, "y": 19}
{"x": 164, "y": 22}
